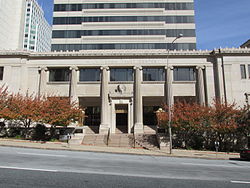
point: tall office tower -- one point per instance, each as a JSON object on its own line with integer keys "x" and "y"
{"x": 37, "y": 32}
{"x": 123, "y": 24}
{"x": 11, "y": 24}
{"x": 23, "y": 26}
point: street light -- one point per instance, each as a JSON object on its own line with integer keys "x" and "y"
{"x": 169, "y": 100}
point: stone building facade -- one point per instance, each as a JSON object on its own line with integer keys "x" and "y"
{"x": 124, "y": 88}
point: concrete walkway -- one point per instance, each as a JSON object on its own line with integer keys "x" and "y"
{"x": 65, "y": 146}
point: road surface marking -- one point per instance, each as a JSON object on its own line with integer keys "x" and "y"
{"x": 40, "y": 154}
{"x": 31, "y": 169}
{"x": 241, "y": 182}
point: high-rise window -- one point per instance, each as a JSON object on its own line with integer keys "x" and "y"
{"x": 153, "y": 74}
{"x": 243, "y": 71}
{"x": 1, "y": 73}
{"x": 184, "y": 74}
{"x": 89, "y": 74}
{"x": 59, "y": 74}
{"x": 121, "y": 74}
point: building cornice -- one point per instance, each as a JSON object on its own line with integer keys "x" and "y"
{"x": 124, "y": 53}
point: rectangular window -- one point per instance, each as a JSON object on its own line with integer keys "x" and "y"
{"x": 59, "y": 74}
{"x": 184, "y": 74}
{"x": 153, "y": 74}
{"x": 243, "y": 71}
{"x": 1, "y": 73}
{"x": 90, "y": 74}
{"x": 121, "y": 74}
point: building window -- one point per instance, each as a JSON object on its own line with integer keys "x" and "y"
{"x": 59, "y": 74}
{"x": 184, "y": 74}
{"x": 243, "y": 71}
{"x": 153, "y": 74}
{"x": 121, "y": 74}
{"x": 249, "y": 71}
{"x": 149, "y": 115}
{"x": 93, "y": 116}
{"x": 1, "y": 73}
{"x": 90, "y": 74}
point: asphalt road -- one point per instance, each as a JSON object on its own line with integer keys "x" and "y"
{"x": 31, "y": 168}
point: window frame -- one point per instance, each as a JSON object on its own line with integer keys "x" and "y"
{"x": 158, "y": 76}
{"x": 243, "y": 72}
{"x": 185, "y": 80}
{"x": 120, "y": 80}
{"x": 60, "y": 68}
{"x": 1, "y": 73}
{"x": 90, "y": 68}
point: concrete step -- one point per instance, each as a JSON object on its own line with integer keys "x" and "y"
{"x": 149, "y": 129}
{"x": 94, "y": 140}
{"x": 120, "y": 140}
{"x": 121, "y": 130}
{"x": 76, "y": 139}
{"x": 91, "y": 129}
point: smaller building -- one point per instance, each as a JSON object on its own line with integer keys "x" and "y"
{"x": 37, "y": 33}
{"x": 246, "y": 44}
{"x": 23, "y": 26}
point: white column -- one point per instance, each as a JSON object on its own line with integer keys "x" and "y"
{"x": 168, "y": 85}
{"x": 200, "y": 86}
{"x": 73, "y": 85}
{"x": 138, "y": 108}
{"x": 104, "y": 127}
{"x": 42, "y": 81}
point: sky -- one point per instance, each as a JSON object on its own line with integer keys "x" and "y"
{"x": 219, "y": 23}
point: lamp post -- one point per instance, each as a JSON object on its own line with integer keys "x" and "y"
{"x": 169, "y": 99}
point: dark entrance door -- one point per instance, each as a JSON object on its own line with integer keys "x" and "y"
{"x": 121, "y": 119}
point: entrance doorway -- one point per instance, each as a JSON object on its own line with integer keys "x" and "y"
{"x": 121, "y": 111}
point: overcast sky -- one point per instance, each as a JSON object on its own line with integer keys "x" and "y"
{"x": 219, "y": 23}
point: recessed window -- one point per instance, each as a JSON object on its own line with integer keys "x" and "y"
{"x": 121, "y": 74}
{"x": 243, "y": 71}
{"x": 1, "y": 73}
{"x": 59, "y": 74}
{"x": 90, "y": 74}
{"x": 153, "y": 74}
{"x": 184, "y": 74}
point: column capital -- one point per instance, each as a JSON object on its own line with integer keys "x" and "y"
{"x": 75, "y": 68}
{"x": 43, "y": 68}
{"x": 137, "y": 67}
{"x": 104, "y": 67}
{"x": 169, "y": 67}
{"x": 200, "y": 67}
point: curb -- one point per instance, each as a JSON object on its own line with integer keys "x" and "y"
{"x": 131, "y": 152}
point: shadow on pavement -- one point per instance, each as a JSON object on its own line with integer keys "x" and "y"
{"x": 239, "y": 159}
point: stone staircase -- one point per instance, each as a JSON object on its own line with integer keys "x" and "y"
{"x": 76, "y": 139}
{"x": 121, "y": 140}
{"x": 94, "y": 140}
{"x": 91, "y": 129}
{"x": 148, "y": 140}
{"x": 149, "y": 129}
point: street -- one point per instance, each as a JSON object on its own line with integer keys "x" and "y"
{"x": 28, "y": 168}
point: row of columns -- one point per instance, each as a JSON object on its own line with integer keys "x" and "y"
{"x": 138, "y": 103}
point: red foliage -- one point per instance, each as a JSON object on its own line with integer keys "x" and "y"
{"x": 57, "y": 111}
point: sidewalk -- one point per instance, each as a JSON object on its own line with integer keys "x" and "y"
{"x": 65, "y": 146}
